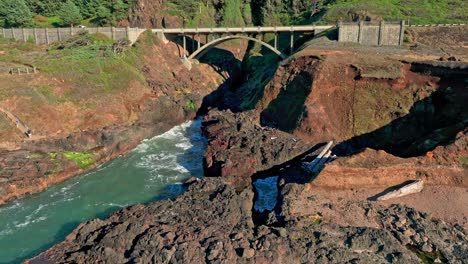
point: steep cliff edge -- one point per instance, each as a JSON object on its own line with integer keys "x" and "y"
{"x": 392, "y": 119}
{"x": 87, "y": 110}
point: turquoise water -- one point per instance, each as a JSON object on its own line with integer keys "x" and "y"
{"x": 153, "y": 171}
{"x": 267, "y": 191}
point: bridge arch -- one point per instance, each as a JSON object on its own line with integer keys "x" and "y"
{"x": 201, "y": 51}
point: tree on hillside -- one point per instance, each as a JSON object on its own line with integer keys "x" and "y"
{"x": 88, "y": 8}
{"x": 204, "y": 17}
{"x": 119, "y": 10}
{"x": 70, "y": 14}
{"x": 45, "y": 7}
{"x": 103, "y": 16}
{"x": 247, "y": 13}
{"x": 232, "y": 15}
{"x": 15, "y": 13}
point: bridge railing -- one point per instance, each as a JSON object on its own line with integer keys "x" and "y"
{"x": 51, "y": 35}
{"x": 240, "y": 29}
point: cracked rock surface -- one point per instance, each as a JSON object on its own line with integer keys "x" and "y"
{"x": 212, "y": 223}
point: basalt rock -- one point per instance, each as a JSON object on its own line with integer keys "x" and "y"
{"x": 238, "y": 146}
{"x": 212, "y": 223}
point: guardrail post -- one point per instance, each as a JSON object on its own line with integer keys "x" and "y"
{"x": 47, "y": 36}
{"x": 58, "y": 34}
{"x": 24, "y": 35}
{"x": 35, "y": 35}
{"x": 361, "y": 26}
{"x": 381, "y": 29}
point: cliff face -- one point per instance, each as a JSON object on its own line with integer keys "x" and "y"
{"x": 150, "y": 14}
{"x": 391, "y": 120}
{"x": 366, "y": 101}
{"x": 78, "y": 125}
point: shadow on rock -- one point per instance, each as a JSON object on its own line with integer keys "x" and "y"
{"x": 432, "y": 121}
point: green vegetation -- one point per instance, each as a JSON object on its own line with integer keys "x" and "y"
{"x": 417, "y": 11}
{"x": 45, "y": 13}
{"x": 190, "y": 106}
{"x": 207, "y": 13}
{"x": 464, "y": 161}
{"x": 82, "y": 159}
{"x": 15, "y": 13}
{"x": 232, "y": 14}
{"x": 367, "y": 98}
{"x": 69, "y": 14}
{"x": 89, "y": 61}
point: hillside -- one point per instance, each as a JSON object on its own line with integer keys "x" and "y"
{"x": 197, "y": 13}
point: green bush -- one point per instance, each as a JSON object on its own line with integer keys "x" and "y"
{"x": 82, "y": 159}
{"x": 69, "y": 14}
{"x": 15, "y": 13}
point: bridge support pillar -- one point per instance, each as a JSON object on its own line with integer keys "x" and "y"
{"x": 186, "y": 62}
{"x": 292, "y": 42}
{"x": 185, "y": 46}
{"x": 193, "y": 43}
{"x": 276, "y": 40}
{"x": 162, "y": 37}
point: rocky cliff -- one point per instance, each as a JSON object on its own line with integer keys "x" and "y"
{"x": 79, "y": 126}
{"x": 212, "y": 223}
{"x": 393, "y": 119}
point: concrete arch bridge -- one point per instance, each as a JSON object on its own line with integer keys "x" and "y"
{"x": 216, "y": 36}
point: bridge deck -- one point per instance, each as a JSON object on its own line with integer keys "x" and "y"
{"x": 240, "y": 30}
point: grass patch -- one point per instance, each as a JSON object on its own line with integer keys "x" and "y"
{"x": 82, "y": 159}
{"x": 47, "y": 22}
{"x": 90, "y": 64}
{"x": 464, "y": 161}
{"x": 190, "y": 106}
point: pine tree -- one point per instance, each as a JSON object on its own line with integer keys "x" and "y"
{"x": 119, "y": 10}
{"x": 247, "y": 14}
{"x": 70, "y": 14}
{"x": 232, "y": 15}
{"x": 15, "y": 13}
{"x": 103, "y": 16}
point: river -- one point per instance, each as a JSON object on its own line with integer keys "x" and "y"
{"x": 154, "y": 170}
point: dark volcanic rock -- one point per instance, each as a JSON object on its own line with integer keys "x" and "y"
{"x": 238, "y": 147}
{"x": 195, "y": 228}
{"x": 212, "y": 223}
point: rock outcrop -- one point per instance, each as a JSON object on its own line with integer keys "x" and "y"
{"x": 238, "y": 147}
{"x": 212, "y": 223}
{"x": 167, "y": 96}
